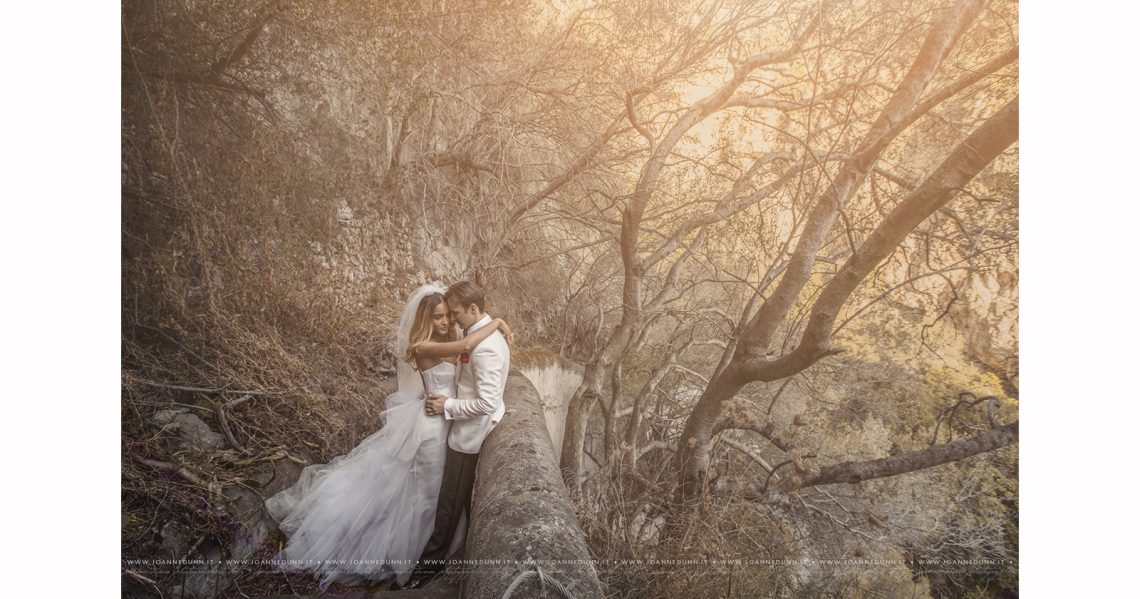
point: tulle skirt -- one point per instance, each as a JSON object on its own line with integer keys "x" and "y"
{"x": 367, "y": 515}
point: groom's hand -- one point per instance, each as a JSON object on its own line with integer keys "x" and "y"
{"x": 434, "y": 404}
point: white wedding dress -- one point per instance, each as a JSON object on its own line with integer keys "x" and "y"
{"x": 368, "y": 515}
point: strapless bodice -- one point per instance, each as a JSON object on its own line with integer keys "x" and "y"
{"x": 440, "y": 379}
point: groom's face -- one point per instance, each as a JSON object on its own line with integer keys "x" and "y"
{"x": 465, "y": 316}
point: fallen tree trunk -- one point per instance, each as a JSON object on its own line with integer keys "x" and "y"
{"x": 521, "y": 513}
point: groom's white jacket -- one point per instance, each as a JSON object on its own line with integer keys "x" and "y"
{"x": 478, "y": 405}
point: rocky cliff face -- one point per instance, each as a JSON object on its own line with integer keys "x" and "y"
{"x": 383, "y": 255}
{"x": 988, "y": 319}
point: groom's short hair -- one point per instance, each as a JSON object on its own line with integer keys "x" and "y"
{"x": 466, "y": 293}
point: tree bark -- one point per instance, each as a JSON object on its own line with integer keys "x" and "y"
{"x": 964, "y": 163}
{"x": 854, "y": 472}
{"x": 633, "y": 318}
{"x": 749, "y": 362}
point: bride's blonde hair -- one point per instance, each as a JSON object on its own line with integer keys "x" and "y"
{"x": 422, "y": 327}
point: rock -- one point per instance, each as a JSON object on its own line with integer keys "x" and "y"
{"x": 197, "y": 434}
{"x": 343, "y": 213}
{"x": 193, "y": 433}
{"x": 165, "y": 416}
{"x": 175, "y": 543}
{"x": 204, "y": 583}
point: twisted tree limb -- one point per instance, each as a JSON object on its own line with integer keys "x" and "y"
{"x": 855, "y": 472}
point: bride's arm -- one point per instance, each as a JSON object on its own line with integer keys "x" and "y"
{"x": 434, "y": 349}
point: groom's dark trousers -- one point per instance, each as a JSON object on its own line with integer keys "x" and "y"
{"x": 454, "y": 495}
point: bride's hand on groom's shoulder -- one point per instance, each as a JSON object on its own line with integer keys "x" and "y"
{"x": 505, "y": 330}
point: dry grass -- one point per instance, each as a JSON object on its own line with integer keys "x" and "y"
{"x": 694, "y": 559}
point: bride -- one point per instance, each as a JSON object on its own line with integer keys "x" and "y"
{"x": 368, "y": 515}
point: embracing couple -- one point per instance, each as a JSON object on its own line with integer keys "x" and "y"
{"x": 401, "y": 498}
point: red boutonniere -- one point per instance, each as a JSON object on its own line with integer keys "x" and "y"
{"x": 465, "y": 357}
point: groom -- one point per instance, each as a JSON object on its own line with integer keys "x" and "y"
{"x": 476, "y": 409}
